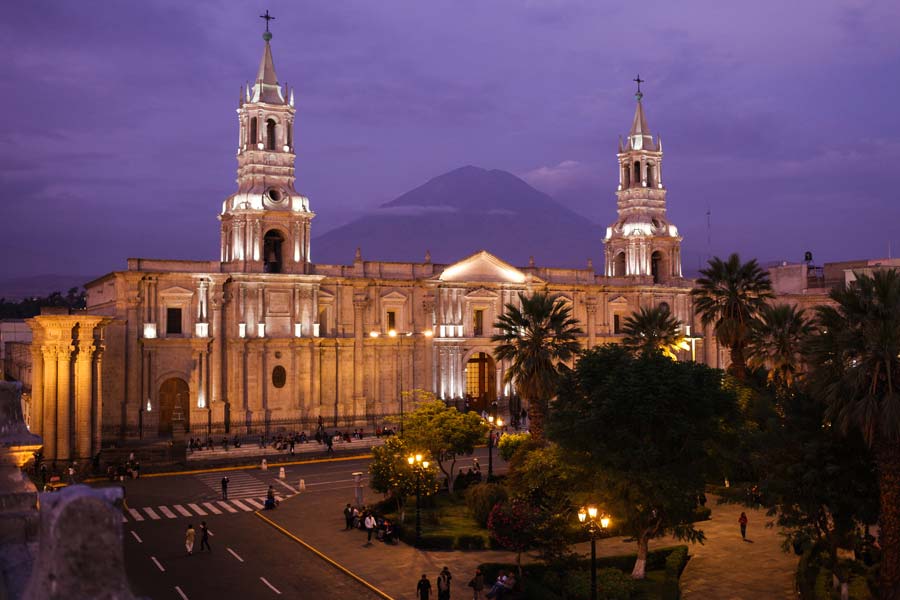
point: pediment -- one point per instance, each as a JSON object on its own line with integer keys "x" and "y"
{"x": 619, "y": 301}
{"x": 484, "y": 266}
{"x": 324, "y": 296}
{"x": 176, "y": 291}
{"x": 394, "y": 296}
{"x": 481, "y": 293}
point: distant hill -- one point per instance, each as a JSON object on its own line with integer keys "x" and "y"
{"x": 40, "y": 285}
{"x": 463, "y": 211}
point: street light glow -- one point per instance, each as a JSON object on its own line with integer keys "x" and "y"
{"x": 411, "y": 459}
{"x": 392, "y": 333}
{"x": 373, "y": 334}
{"x": 592, "y": 512}
{"x": 425, "y": 464}
{"x": 604, "y": 522}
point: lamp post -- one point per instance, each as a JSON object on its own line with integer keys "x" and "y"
{"x": 588, "y": 516}
{"x": 498, "y": 423}
{"x": 419, "y": 466}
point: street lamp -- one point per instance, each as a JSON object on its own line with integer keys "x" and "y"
{"x": 494, "y": 423}
{"x": 419, "y": 467}
{"x": 588, "y": 516}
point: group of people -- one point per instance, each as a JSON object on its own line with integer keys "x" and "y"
{"x": 131, "y": 469}
{"x": 502, "y": 587}
{"x": 190, "y": 535}
{"x": 381, "y": 528}
{"x": 196, "y": 444}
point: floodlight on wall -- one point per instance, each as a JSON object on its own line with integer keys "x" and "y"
{"x": 315, "y": 330}
{"x": 373, "y": 334}
{"x": 261, "y": 330}
{"x": 149, "y": 406}
{"x": 149, "y": 330}
{"x": 298, "y": 329}
{"x": 242, "y": 330}
{"x": 201, "y": 401}
{"x": 201, "y": 330}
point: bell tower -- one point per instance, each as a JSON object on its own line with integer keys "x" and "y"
{"x": 642, "y": 243}
{"x": 266, "y": 223}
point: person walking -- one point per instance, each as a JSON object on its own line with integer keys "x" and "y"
{"x": 189, "y": 539}
{"x": 477, "y": 585}
{"x": 443, "y": 584}
{"x": 329, "y": 442}
{"x": 742, "y": 520}
{"x": 204, "y": 536}
{"x": 348, "y": 517}
{"x": 423, "y": 588}
{"x": 370, "y": 527}
{"x": 225, "y": 487}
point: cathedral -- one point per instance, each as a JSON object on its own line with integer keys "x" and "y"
{"x": 264, "y": 339}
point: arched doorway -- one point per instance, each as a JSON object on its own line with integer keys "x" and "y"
{"x": 272, "y": 245}
{"x": 481, "y": 381}
{"x": 656, "y": 262}
{"x": 174, "y": 403}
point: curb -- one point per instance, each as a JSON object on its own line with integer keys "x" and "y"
{"x": 330, "y": 561}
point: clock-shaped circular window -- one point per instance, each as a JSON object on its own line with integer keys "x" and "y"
{"x": 279, "y": 376}
{"x": 274, "y": 195}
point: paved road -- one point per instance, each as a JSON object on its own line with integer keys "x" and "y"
{"x": 249, "y": 559}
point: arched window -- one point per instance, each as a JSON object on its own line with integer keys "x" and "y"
{"x": 619, "y": 265}
{"x": 656, "y": 260}
{"x": 253, "y": 130}
{"x": 290, "y": 135}
{"x": 270, "y": 134}
{"x": 272, "y": 243}
{"x": 650, "y": 174}
{"x": 637, "y": 172}
{"x": 664, "y": 307}
{"x": 626, "y": 179}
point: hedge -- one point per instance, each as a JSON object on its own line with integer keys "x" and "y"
{"x": 675, "y": 563}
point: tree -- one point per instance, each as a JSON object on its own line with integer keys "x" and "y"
{"x": 653, "y": 330}
{"x": 391, "y": 474}
{"x": 513, "y": 524}
{"x": 855, "y": 371}
{"x": 444, "y": 433}
{"x": 728, "y": 296}
{"x": 776, "y": 342}
{"x": 535, "y": 339}
{"x": 641, "y": 428}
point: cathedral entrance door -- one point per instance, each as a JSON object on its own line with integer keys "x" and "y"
{"x": 174, "y": 404}
{"x": 481, "y": 381}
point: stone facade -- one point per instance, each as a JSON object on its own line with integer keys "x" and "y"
{"x": 264, "y": 337}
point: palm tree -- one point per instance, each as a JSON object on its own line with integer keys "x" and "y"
{"x": 653, "y": 330}
{"x": 855, "y": 361}
{"x": 776, "y": 340}
{"x": 728, "y": 296}
{"x": 535, "y": 340}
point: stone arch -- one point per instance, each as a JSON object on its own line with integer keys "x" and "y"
{"x": 480, "y": 378}
{"x": 658, "y": 265}
{"x": 271, "y": 131}
{"x": 174, "y": 406}
{"x": 619, "y": 264}
{"x": 274, "y": 242}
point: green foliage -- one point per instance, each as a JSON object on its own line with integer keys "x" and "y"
{"x": 514, "y": 524}
{"x": 653, "y": 330}
{"x": 675, "y": 564}
{"x": 776, "y": 341}
{"x": 444, "y": 433}
{"x": 74, "y": 299}
{"x": 534, "y": 339}
{"x": 510, "y": 443}
{"x": 728, "y": 296}
{"x": 640, "y": 429}
{"x": 481, "y": 499}
{"x": 390, "y": 472}
{"x": 470, "y": 542}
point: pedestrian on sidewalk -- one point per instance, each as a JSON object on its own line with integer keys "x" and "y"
{"x": 742, "y": 520}
{"x": 204, "y": 536}
{"x": 225, "y": 487}
{"x": 189, "y": 539}
{"x": 370, "y": 527}
{"x": 329, "y": 442}
{"x": 477, "y": 585}
{"x": 443, "y": 584}
{"x": 423, "y": 588}
{"x": 348, "y": 517}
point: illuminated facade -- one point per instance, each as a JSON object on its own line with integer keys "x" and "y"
{"x": 264, "y": 337}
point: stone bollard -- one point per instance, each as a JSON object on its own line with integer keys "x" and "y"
{"x": 264, "y": 465}
{"x": 81, "y": 552}
{"x": 302, "y": 487}
{"x": 281, "y": 473}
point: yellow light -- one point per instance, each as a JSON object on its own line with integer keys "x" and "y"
{"x": 592, "y": 512}
{"x": 428, "y": 333}
{"x": 582, "y": 516}
{"x": 411, "y": 459}
{"x": 418, "y": 458}
{"x": 491, "y": 419}
{"x": 373, "y": 334}
{"x": 392, "y": 333}
{"x": 499, "y": 422}
{"x": 604, "y": 522}
{"x": 425, "y": 464}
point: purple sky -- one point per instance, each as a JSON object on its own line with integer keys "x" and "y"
{"x": 119, "y": 133}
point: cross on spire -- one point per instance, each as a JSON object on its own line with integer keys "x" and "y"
{"x": 639, "y": 82}
{"x": 268, "y": 18}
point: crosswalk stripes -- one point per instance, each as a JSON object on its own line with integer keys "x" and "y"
{"x": 168, "y": 513}
{"x": 135, "y": 514}
{"x": 175, "y": 511}
{"x": 212, "y": 508}
{"x": 240, "y": 484}
{"x": 253, "y": 503}
{"x": 184, "y": 512}
{"x": 227, "y": 506}
{"x": 197, "y": 510}
{"x": 241, "y": 506}
{"x": 152, "y": 513}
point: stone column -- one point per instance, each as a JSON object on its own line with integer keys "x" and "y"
{"x": 64, "y": 402}
{"x": 591, "y": 307}
{"x": 49, "y": 427}
{"x": 83, "y": 395}
{"x": 98, "y": 395}
{"x": 359, "y": 364}
{"x": 37, "y": 390}
{"x": 133, "y": 359}
{"x": 218, "y": 349}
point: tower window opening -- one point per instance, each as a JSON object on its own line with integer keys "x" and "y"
{"x": 270, "y": 134}
{"x": 391, "y": 320}
{"x": 173, "y": 321}
{"x": 655, "y": 263}
{"x": 626, "y": 180}
{"x": 650, "y": 179}
{"x": 253, "y": 130}
{"x": 619, "y": 265}
{"x": 617, "y": 324}
{"x": 478, "y": 323}
{"x": 272, "y": 243}
{"x": 637, "y": 172}
{"x": 290, "y": 136}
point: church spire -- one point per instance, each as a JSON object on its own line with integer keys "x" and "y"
{"x": 266, "y": 88}
{"x": 640, "y": 137}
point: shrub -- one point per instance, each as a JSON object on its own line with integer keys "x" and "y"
{"x": 613, "y": 584}
{"x": 437, "y": 542}
{"x": 702, "y": 513}
{"x": 675, "y": 563}
{"x": 481, "y": 499}
{"x": 470, "y": 542}
{"x": 510, "y": 443}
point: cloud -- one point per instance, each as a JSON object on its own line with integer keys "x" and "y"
{"x": 563, "y": 176}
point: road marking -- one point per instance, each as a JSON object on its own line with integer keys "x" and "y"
{"x": 152, "y": 513}
{"x": 184, "y": 512}
{"x": 124, "y": 520}
{"x": 274, "y": 589}
{"x": 330, "y": 482}
{"x": 169, "y": 514}
{"x": 137, "y": 537}
{"x": 134, "y": 513}
{"x": 253, "y": 502}
{"x": 197, "y": 510}
{"x": 241, "y": 506}
{"x": 153, "y": 558}
{"x": 235, "y": 554}
{"x": 212, "y": 508}
{"x": 181, "y": 593}
{"x": 293, "y": 491}
{"x": 227, "y": 506}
